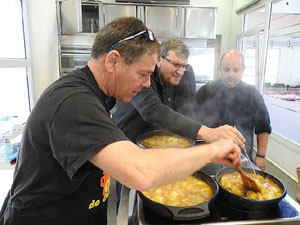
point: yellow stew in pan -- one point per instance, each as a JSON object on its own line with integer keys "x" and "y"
{"x": 187, "y": 192}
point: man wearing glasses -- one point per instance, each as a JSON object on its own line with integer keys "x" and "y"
{"x": 71, "y": 146}
{"x": 171, "y": 94}
{"x": 168, "y": 104}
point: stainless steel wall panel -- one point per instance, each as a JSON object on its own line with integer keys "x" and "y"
{"x": 161, "y": 20}
{"x": 112, "y": 11}
{"x": 200, "y": 23}
{"x": 71, "y": 17}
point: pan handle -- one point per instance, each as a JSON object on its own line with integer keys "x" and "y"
{"x": 190, "y": 213}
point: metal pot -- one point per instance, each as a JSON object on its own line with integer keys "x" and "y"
{"x": 245, "y": 204}
{"x": 158, "y": 133}
{"x": 183, "y": 213}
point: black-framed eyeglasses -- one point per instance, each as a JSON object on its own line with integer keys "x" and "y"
{"x": 150, "y": 36}
{"x": 177, "y": 65}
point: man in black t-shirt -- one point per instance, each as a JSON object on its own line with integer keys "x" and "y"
{"x": 70, "y": 146}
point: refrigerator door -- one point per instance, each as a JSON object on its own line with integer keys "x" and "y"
{"x": 113, "y": 11}
{"x": 200, "y": 23}
{"x": 71, "y": 17}
{"x": 166, "y": 27}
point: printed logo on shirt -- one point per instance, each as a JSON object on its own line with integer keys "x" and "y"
{"x": 104, "y": 183}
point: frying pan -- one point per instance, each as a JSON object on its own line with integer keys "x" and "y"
{"x": 158, "y": 133}
{"x": 183, "y": 213}
{"x": 246, "y": 204}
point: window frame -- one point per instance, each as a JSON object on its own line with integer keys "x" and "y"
{"x": 26, "y": 62}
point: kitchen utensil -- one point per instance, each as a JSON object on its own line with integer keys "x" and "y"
{"x": 246, "y": 204}
{"x": 249, "y": 160}
{"x": 248, "y": 157}
{"x": 183, "y": 213}
{"x": 249, "y": 183}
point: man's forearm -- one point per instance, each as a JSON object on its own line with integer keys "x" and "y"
{"x": 262, "y": 142}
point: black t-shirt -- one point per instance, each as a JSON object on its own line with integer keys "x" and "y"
{"x": 54, "y": 181}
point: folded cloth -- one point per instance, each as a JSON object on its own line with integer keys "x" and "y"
{"x": 12, "y": 160}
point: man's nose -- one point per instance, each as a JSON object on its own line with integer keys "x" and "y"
{"x": 180, "y": 70}
{"x": 146, "y": 82}
{"x": 231, "y": 73}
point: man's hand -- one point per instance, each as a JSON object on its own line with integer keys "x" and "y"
{"x": 226, "y": 152}
{"x": 224, "y": 132}
{"x": 260, "y": 163}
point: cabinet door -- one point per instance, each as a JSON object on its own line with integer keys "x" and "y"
{"x": 112, "y": 11}
{"x": 161, "y": 20}
{"x": 71, "y": 17}
{"x": 200, "y": 23}
{"x": 77, "y": 17}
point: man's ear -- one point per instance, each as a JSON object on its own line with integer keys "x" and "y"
{"x": 111, "y": 60}
{"x": 159, "y": 61}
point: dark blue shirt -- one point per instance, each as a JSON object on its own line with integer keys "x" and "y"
{"x": 241, "y": 106}
{"x": 155, "y": 108}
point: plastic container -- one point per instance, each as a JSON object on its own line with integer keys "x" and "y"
{"x": 6, "y": 151}
{"x": 10, "y": 136}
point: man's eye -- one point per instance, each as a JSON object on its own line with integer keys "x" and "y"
{"x": 236, "y": 70}
{"x": 226, "y": 69}
{"x": 144, "y": 75}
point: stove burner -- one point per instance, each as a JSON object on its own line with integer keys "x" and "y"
{"x": 154, "y": 219}
{"x": 227, "y": 213}
{"x": 221, "y": 212}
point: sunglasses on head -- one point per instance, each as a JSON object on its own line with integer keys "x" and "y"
{"x": 150, "y": 36}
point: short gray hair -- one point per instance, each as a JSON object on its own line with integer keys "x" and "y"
{"x": 181, "y": 50}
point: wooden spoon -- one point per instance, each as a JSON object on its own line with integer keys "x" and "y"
{"x": 249, "y": 183}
